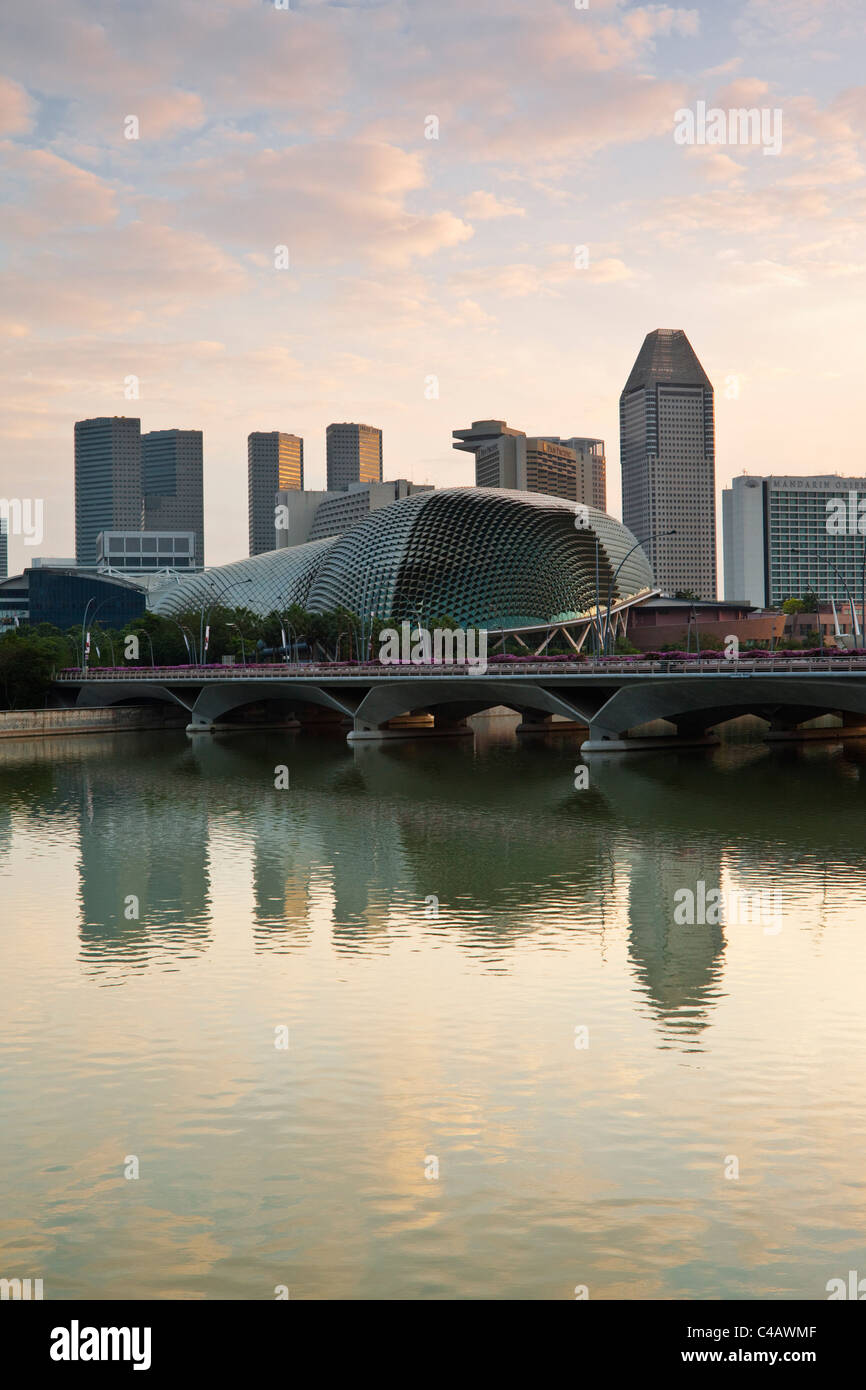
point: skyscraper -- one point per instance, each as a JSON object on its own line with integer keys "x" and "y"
{"x": 172, "y": 484}
{"x": 107, "y": 480}
{"x": 4, "y": 548}
{"x": 275, "y": 463}
{"x": 667, "y": 450}
{"x": 783, "y": 538}
{"x": 505, "y": 457}
{"x": 354, "y": 455}
{"x": 591, "y": 470}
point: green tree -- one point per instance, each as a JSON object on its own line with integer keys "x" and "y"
{"x": 28, "y": 661}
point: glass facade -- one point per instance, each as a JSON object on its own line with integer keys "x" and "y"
{"x": 354, "y": 455}
{"x": 275, "y": 463}
{"x": 61, "y": 598}
{"x": 172, "y": 483}
{"x": 107, "y": 480}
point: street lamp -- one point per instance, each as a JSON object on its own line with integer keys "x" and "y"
{"x": 652, "y": 536}
{"x": 188, "y": 641}
{"x": 84, "y": 625}
{"x": 243, "y": 647}
{"x": 214, "y": 602}
{"x": 796, "y": 550}
{"x": 111, "y": 648}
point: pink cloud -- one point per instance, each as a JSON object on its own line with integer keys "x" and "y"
{"x": 16, "y": 108}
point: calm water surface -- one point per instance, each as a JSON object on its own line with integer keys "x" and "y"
{"x": 414, "y": 1037}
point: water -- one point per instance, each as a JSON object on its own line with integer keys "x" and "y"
{"x": 415, "y": 1038}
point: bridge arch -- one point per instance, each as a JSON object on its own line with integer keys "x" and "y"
{"x": 459, "y": 695}
{"x": 702, "y": 701}
{"x": 214, "y": 702}
{"x": 92, "y": 695}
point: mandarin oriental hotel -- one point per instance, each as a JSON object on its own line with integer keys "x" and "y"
{"x": 780, "y": 540}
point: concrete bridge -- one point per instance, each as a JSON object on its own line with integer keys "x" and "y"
{"x": 610, "y": 698}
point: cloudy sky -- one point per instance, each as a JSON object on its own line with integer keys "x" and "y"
{"x": 412, "y": 258}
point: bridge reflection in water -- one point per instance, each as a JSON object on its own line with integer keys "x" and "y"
{"x": 612, "y": 700}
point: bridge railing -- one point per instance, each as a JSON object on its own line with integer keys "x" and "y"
{"x": 498, "y": 669}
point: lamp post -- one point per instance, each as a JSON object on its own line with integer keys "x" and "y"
{"x": 111, "y": 648}
{"x": 214, "y": 602}
{"x": 844, "y": 582}
{"x": 284, "y": 623}
{"x": 84, "y": 625}
{"x": 188, "y": 640}
{"x": 652, "y": 536}
{"x": 243, "y": 647}
{"x": 795, "y": 550}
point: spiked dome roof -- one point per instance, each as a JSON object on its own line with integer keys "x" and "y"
{"x": 481, "y": 556}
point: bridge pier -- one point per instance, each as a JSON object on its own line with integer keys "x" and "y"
{"x": 689, "y": 734}
{"x": 415, "y": 725}
{"x": 199, "y": 725}
{"x": 537, "y": 722}
{"x": 784, "y": 731}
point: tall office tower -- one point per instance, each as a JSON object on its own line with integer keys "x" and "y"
{"x": 500, "y": 453}
{"x": 275, "y": 463}
{"x": 743, "y": 540}
{"x": 354, "y": 455}
{"x": 504, "y": 457}
{"x": 107, "y": 480}
{"x": 667, "y": 450}
{"x": 4, "y": 548}
{"x": 172, "y": 484}
{"x": 591, "y": 470}
{"x": 789, "y": 536}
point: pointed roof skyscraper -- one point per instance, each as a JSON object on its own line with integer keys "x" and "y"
{"x": 667, "y": 356}
{"x": 667, "y": 451}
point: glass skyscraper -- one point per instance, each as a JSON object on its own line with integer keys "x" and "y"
{"x": 275, "y": 463}
{"x": 354, "y": 455}
{"x": 107, "y": 480}
{"x": 172, "y": 483}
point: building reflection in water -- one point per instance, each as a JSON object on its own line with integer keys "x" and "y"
{"x": 496, "y": 833}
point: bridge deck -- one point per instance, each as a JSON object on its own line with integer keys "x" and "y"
{"x": 494, "y": 670}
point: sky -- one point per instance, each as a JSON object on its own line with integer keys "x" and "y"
{"x": 429, "y": 170}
